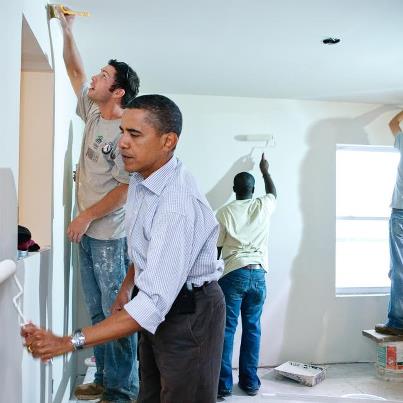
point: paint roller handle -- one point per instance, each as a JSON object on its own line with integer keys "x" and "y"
{"x": 7, "y": 269}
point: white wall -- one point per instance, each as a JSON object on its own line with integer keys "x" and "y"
{"x": 59, "y": 298}
{"x": 35, "y": 12}
{"x": 67, "y": 137}
{"x": 302, "y": 319}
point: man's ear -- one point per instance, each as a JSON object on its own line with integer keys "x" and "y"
{"x": 118, "y": 93}
{"x": 170, "y": 140}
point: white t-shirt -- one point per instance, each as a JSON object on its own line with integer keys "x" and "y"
{"x": 397, "y": 197}
{"x": 100, "y": 168}
{"x": 244, "y": 232}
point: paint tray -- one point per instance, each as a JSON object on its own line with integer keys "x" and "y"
{"x": 306, "y": 374}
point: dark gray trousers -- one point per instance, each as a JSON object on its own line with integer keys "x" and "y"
{"x": 181, "y": 362}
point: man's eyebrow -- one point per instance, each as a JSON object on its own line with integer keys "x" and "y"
{"x": 130, "y": 130}
{"x": 105, "y": 71}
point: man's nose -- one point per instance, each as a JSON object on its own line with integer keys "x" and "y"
{"x": 122, "y": 142}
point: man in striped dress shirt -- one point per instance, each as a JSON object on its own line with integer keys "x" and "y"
{"x": 172, "y": 236}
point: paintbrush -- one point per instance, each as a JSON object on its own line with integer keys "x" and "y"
{"x": 52, "y": 11}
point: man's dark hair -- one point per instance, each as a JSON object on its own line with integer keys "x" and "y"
{"x": 244, "y": 184}
{"x": 163, "y": 113}
{"x": 125, "y": 78}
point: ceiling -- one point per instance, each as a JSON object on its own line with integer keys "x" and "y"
{"x": 254, "y": 48}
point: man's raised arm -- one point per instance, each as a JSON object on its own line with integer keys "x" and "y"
{"x": 268, "y": 182}
{"x": 71, "y": 55}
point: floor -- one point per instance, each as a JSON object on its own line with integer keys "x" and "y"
{"x": 347, "y": 383}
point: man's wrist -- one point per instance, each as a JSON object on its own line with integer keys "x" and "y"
{"x": 67, "y": 31}
{"x": 88, "y": 216}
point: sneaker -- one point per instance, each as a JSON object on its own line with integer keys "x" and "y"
{"x": 249, "y": 391}
{"x": 89, "y": 391}
{"x": 384, "y": 329}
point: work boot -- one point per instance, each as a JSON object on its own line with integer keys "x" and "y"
{"x": 89, "y": 391}
{"x": 384, "y": 329}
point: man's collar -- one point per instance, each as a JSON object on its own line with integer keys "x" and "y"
{"x": 158, "y": 179}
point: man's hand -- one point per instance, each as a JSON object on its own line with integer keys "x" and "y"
{"x": 44, "y": 344}
{"x": 66, "y": 20}
{"x": 264, "y": 165}
{"x": 394, "y": 124}
{"x": 78, "y": 227}
{"x": 125, "y": 292}
{"x": 123, "y": 297}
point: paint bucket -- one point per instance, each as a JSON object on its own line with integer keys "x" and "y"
{"x": 389, "y": 362}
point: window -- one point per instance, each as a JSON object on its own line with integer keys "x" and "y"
{"x": 365, "y": 178}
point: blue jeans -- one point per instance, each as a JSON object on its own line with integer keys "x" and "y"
{"x": 245, "y": 292}
{"x": 395, "y": 311}
{"x": 103, "y": 266}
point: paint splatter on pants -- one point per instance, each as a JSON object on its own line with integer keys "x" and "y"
{"x": 103, "y": 267}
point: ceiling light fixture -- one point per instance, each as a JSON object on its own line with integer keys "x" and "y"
{"x": 331, "y": 41}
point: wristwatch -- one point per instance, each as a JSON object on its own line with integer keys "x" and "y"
{"x": 78, "y": 340}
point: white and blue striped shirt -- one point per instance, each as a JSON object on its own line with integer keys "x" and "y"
{"x": 172, "y": 238}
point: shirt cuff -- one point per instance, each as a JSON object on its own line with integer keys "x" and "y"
{"x": 142, "y": 309}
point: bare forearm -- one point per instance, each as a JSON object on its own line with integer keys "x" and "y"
{"x": 73, "y": 61}
{"x": 128, "y": 282}
{"x": 116, "y": 326}
{"x": 114, "y": 200}
{"x": 268, "y": 184}
{"x": 45, "y": 345}
{"x": 394, "y": 124}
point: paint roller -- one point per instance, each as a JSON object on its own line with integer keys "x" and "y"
{"x": 267, "y": 138}
{"x": 53, "y": 12}
{"x": 8, "y": 269}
